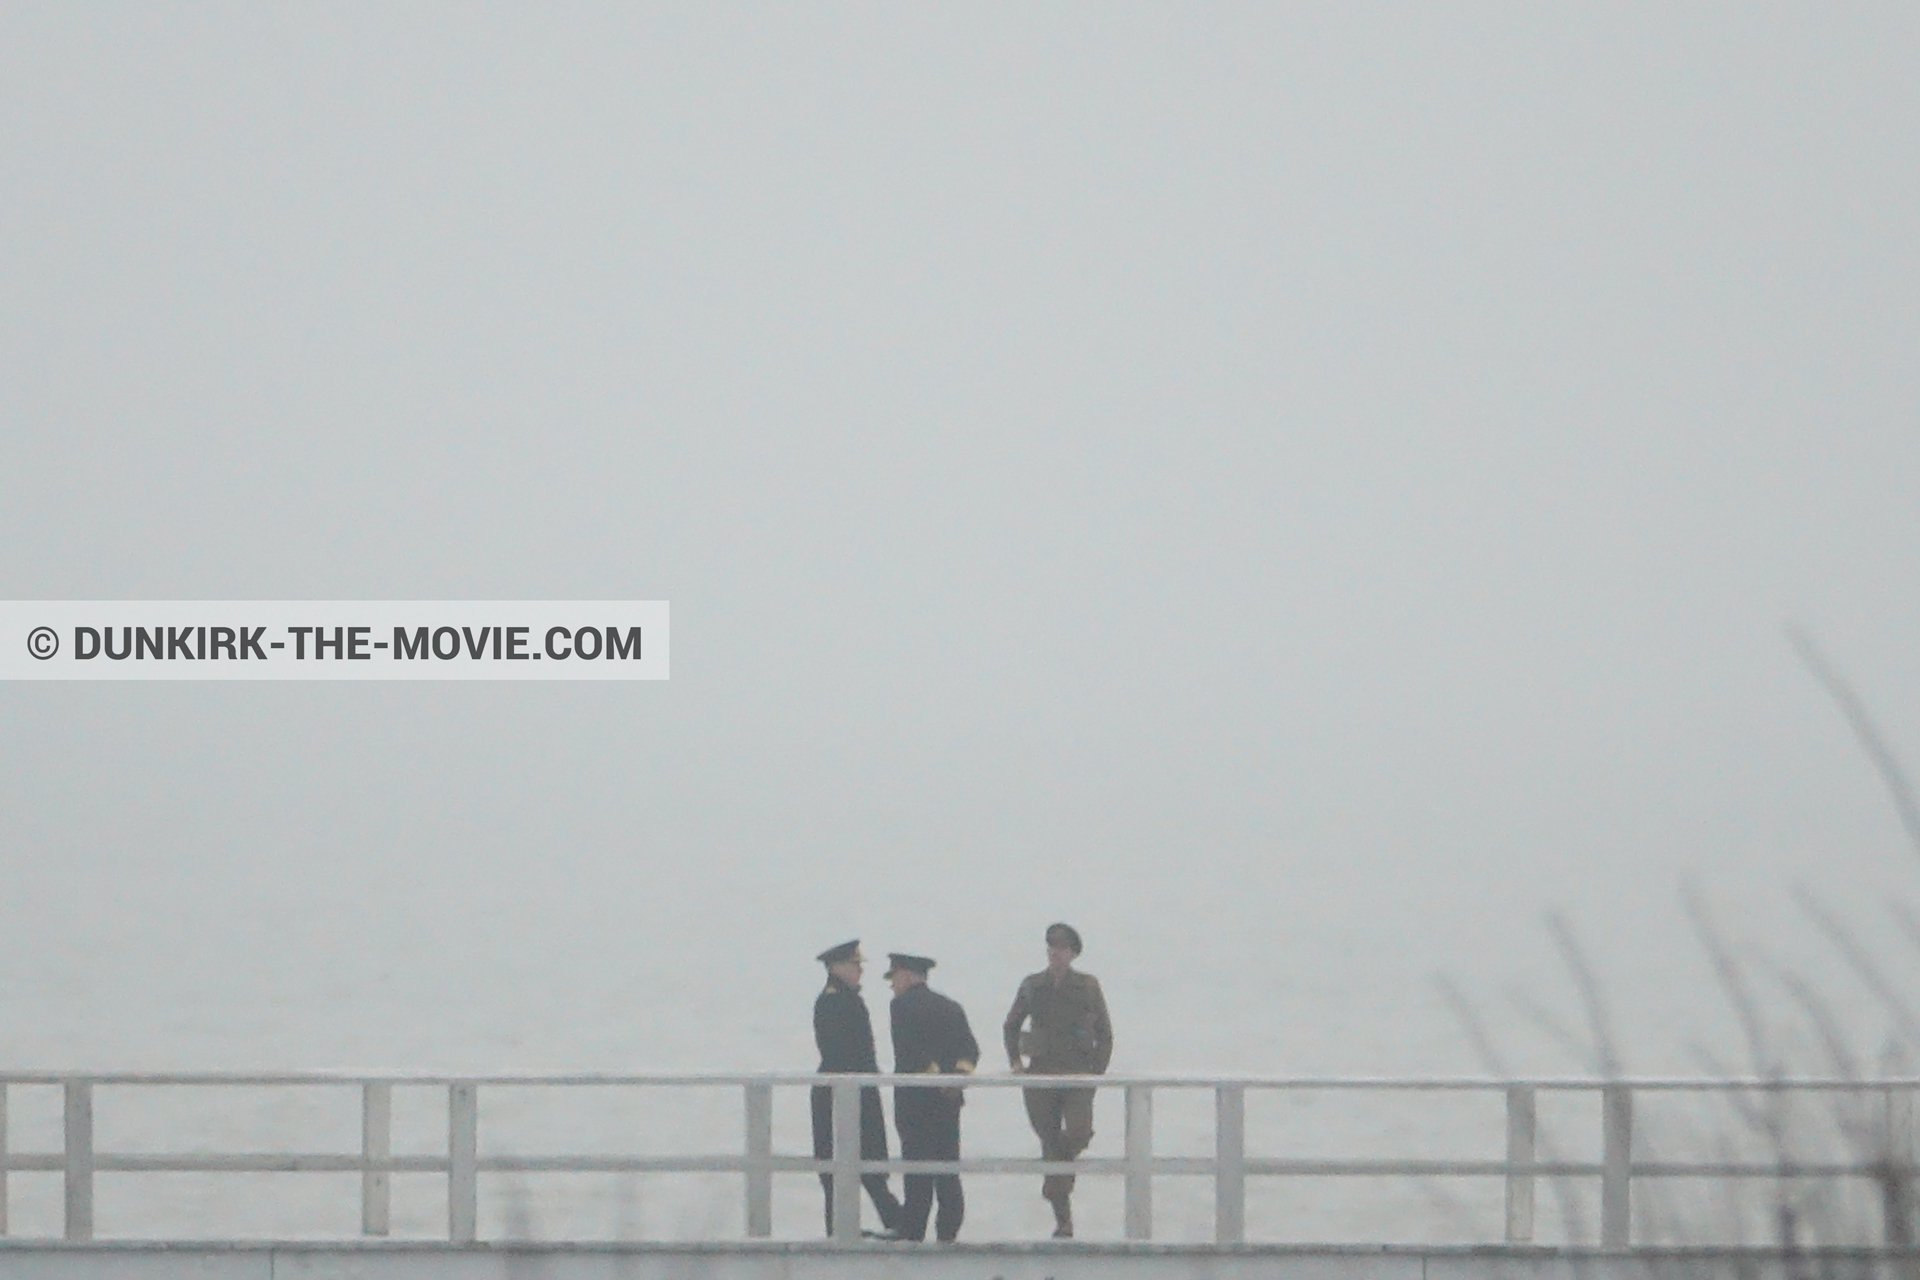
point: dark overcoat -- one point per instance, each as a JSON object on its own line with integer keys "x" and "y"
{"x": 930, "y": 1034}
{"x": 843, "y": 1032}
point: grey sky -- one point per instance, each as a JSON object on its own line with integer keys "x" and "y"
{"x": 1279, "y": 483}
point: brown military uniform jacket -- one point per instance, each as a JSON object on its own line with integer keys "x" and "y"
{"x": 1071, "y": 1033}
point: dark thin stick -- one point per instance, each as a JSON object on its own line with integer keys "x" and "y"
{"x": 1732, "y": 981}
{"x": 1841, "y": 1059}
{"x": 1599, "y": 1021}
{"x": 1476, "y": 1028}
{"x": 1556, "y": 1031}
{"x": 1869, "y": 972}
{"x": 1749, "y": 1109}
{"x": 1871, "y": 739}
{"x": 1768, "y": 1115}
{"x": 1904, "y": 917}
{"x": 1571, "y": 1224}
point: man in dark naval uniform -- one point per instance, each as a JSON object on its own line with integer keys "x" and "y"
{"x": 844, "y": 1034}
{"x": 930, "y": 1034}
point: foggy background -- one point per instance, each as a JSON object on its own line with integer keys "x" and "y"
{"x": 1297, "y": 492}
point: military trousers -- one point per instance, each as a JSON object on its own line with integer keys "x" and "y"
{"x": 873, "y": 1146}
{"x": 1063, "y": 1119}
{"x": 929, "y": 1124}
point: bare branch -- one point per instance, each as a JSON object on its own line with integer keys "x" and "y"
{"x": 1904, "y": 917}
{"x": 1475, "y": 1027}
{"x": 1483, "y": 1043}
{"x": 1819, "y": 1013}
{"x": 1599, "y": 1021}
{"x": 1543, "y": 1018}
{"x": 1871, "y": 739}
{"x": 1732, "y": 981}
{"x": 1862, "y": 964}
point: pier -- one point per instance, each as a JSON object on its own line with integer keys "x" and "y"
{"x": 1881, "y": 1113}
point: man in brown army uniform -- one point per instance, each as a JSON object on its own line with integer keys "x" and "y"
{"x": 1071, "y": 1036}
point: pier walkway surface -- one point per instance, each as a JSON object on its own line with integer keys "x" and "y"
{"x": 823, "y": 1261}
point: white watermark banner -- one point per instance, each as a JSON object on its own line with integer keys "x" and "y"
{"x": 333, "y": 639}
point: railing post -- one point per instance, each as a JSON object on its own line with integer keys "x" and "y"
{"x": 3, "y": 1158}
{"x": 759, "y": 1161}
{"x": 1229, "y": 1164}
{"x": 846, "y": 1160}
{"x": 1616, "y": 1167}
{"x": 376, "y": 1144}
{"x": 1139, "y": 1162}
{"x": 79, "y": 1167}
{"x": 463, "y": 1152}
{"x": 1520, "y": 1151}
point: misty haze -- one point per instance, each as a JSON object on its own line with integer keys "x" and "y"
{"x": 1300, "y": 493}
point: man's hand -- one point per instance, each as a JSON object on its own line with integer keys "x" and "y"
{"x": 957, "y": 1096}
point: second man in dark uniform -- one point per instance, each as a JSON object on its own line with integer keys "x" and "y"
{"x": 930, "y": 1034}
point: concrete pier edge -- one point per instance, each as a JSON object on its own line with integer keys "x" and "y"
{"x": 819, "y": 1260}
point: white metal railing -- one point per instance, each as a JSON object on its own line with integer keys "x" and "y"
{"x": 1229, "y": 1166}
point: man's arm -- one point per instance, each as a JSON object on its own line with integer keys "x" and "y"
{"x": 907, "y": 1050}
{"x": 836, "y": 1031}
{"x": 845, "y": 1031}
{"x": 963, "y": 1049}
{"x": 967, "y": 1051}
{"x": 823, "y": 1031}
{"x": 1010, "y": 1029}
{"x": 1102, "y": 1031}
